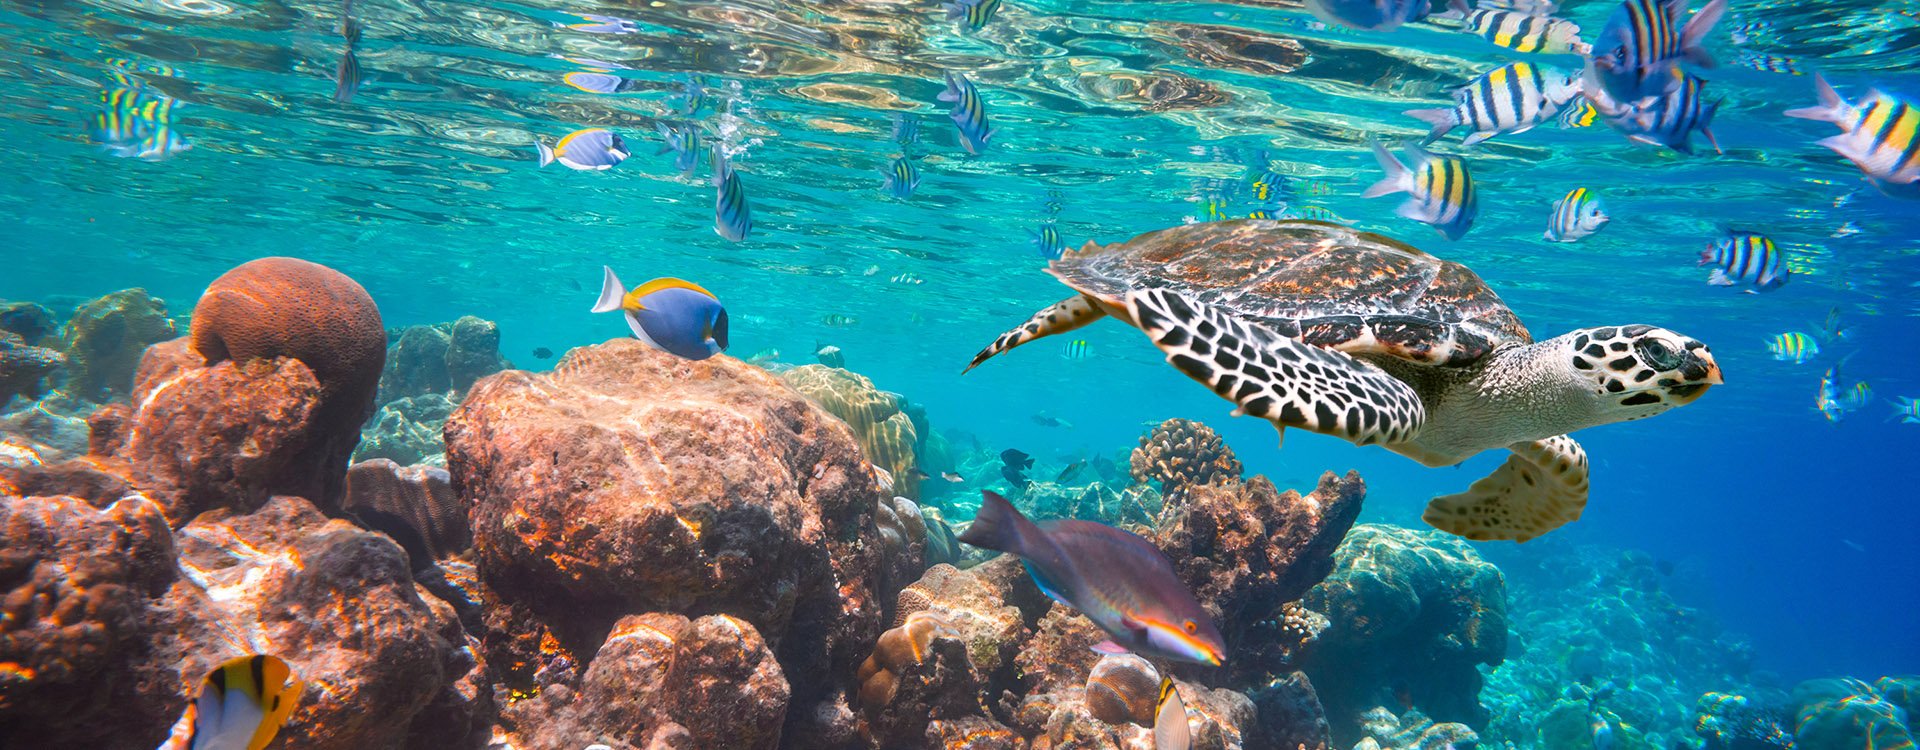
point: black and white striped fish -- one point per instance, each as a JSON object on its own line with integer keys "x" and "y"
{"x": 1577, "y": 215}
{"x": 1671, "y": 119}
{"x": 1440, "y": 188}
{"x": 1524, "y": 32}
{"x": 1746, "y": 258}
{"x": 969, "y": 113}
{"x": 346, "y": 75}
{"x": 1637, "y": 53}
{"x": 902, "y": 178}
{"x": 1509, "y": 99}
{"x": 732, "y": 217}
{"x": 1882, "y": 136}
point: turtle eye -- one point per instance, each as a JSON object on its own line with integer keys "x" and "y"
{"x": 1190, "y": 626}
{"x": 1657, "y": 355}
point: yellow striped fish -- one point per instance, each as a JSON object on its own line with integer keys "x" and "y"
{"x": 1579, "y": 113}
{"x": 1170, "y": 730}
{"x": 1440, "y": 189}
{"x": 1793, "y": 346}
{"x": 1637, "y": 53}
{"x": 1522, "y": 32}
{"x": 1509, "y": 99}
{"x": 1577, "y": 215}
{"x": 1076, "y": 350}
{"x": 1882, "y": 136}
{"x": 972, "y": 14}
{"x": 241, "y": 706}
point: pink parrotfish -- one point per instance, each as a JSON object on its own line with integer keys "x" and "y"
{"x": 1118, "y": 580}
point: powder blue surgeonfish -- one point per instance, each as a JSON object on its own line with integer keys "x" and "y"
{"x": 672, "y": 315}
{"x": 1370, "y": 15}
{"x": 1118, "y": 580}
{"x": 590, "y": 149}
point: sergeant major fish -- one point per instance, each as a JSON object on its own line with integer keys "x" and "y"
{"x": 1793, "y": 346}
{"x": 1524, "y": 32}
{"x": 902, "y": 178}
{"x": 683, "y": 141}
{"x": 972, "y": 14}
{"x": 1509, "y": 99}
{"x": 241, "y": 706}
{"x": 732, "y": 217}
{"x": 1577, "y": 215}
{"x": 1115, "y": 578}
{"x": 969, "y": 113}
{"x": 1881, "y": 136}
{"x": 1637, "y": 53}
{"x": 1670, "y": 119}
{"x": 1439, "y": 188}
{"x": 673, "y": 315}
{"x": 1746, "y": 258}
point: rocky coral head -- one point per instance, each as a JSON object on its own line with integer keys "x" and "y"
{"x": 415, "y": 505}
{"x": 24, "y": 368}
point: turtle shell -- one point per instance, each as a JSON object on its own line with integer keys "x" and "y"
{"x": 1324, "y": 284}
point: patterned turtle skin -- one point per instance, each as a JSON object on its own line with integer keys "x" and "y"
{"x": 1319, "y": 283}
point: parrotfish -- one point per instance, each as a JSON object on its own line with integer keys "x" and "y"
{"x": 1439, "y": 188}
{"x": 902, "y": 178}
{"x": 675, "y": 316}
{"x": 732, "y": 217}
{"x": 1577, "y": 215}
{"x": 1118, "y": 580}
{"x": 241, "y": 706}
{"x": 1636, "y": 55}
{"x": 969, "y": 113}
{"x": 591, "y": 149}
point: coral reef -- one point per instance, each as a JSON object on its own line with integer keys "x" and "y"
{"x": 1409, "y": 612}
{"x": 1412, "y": 730}
{"x": 1588, "y": 616}
{"x": 33, "y": 323}
{"x": 104, "y": 339}
{"x": 963, "y": 635}
{"x": 24, "y": 368}
{"x": 1290, "y": 715}
{"x": 903, "y": 543}
{"x": 415, "y": 505}
{"x": 407, "y": 431}
{"x": 1847, "y": 714}
{"x": 629, "y": 481}
{"x": 1137, "y": 505}
{"x": 886, "y": 433}
{"x": 1735, "y": 722}
{"x": 286, "y": 307}
{"x": 1180, "y": 454}
{"x": 442, "y": 357}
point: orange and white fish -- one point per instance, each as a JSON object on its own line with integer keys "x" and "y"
{"x": 241, "y": 706}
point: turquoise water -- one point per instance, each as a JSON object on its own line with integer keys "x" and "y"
{"x": 1792, "y": 531}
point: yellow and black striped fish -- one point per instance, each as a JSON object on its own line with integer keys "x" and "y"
{"x": 1882, "y": 135}
{"x": 1440, "y": 189}
{"x": 241, "y": 706}
{"x": 732, "y": 216}
{"x": 1522, "y": 32}
{"x": 1076, "y": 350}
{"x": 1509, "y": 99}
{"x": 973, "y": 14}
{"x": 1579, "y": 113}
{"x": 1637, "y": 52}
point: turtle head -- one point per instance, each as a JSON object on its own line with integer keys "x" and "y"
{"x": 1638, "y": 371}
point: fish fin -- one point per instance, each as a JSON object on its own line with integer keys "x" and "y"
{"x": 546, "y": 153}
{"x": 1719, "y": 278}
{"x": 1398, "y": 178}
{"x": 1060, "y": 317}
{"x": 1271, "y": 376}
{"x": 1541, "y": 487}
{"x": 1477, "y": 138}
{"x": 952, "y": 94}
{"x": 1110, "y": 648}
{"x": 1831, "y": 108}
{"x": 1841, "y": 144}
{"x": 1440, "y": 119}
{"x": 1694, "y": 34}
{"x": 1708, "y": 132}
{"x": 612, "y": 293}
{"x": 1170, "y": 729}
{"x": 721, "y": 167}
{"x": 999, "y": 526}
{"x": 955, "y": 10}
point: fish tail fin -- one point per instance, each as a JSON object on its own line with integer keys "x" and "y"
{"x": 1694, "y": 34}
{"x": 1831, "y": 108}
{"x": 612, "y": 293}
{"x": 1440, "y": 119}
{"x": 952, "y": 94}
{"x": 1719, "y": 278}
{"x": 999, "y": 526}
{"x": 546, "y": 153}
{"x": 721, "y": 168}
{"x": 1398, "y": 178}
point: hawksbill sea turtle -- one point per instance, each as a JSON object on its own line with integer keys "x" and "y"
{"x": 1351, "y": 334}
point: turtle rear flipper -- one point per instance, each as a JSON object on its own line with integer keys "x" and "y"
{"x": 1059, "y": 317}
{"x": 1290, "y": 383}
{"x": 1541, "y": 487}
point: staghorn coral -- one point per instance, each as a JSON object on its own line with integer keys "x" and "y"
{"x": 24, "y": 368}
{"x": 1414, "y": 609}
{"x": 1180, "y": 454}
{"x": 287, "y": 307}
{"x": 413, "y": 504}
{"x": 886, "y": 433}
{"x": 1410, "y": 731}
{"x": 104, "y": 339}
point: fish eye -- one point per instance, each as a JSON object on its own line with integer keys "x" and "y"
{"x": 1657, "y": 355}
{"x": 1191, "y": 627}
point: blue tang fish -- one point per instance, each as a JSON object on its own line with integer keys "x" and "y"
{"x": 1118, "y": 580}
{"x": 732, "y": 217}
{"x": 1637, "y": 54}
{"x": 590, "y": 149}
{"x": 675, "y": 316}
{"x": 969, "y": 113}
{"x": 241, "y": 706}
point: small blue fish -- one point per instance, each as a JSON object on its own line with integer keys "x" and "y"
{"x": 592, "y": 149}
{"x": 1833, "y": 329}
{"x": 1793, "y": 346}
{"x": 673, "y": 315}
{"x": 1118, "y": 580}
{"x": 1076, "y": 350}
{"x": 600, "y": 83}
{"x": 901, "y": 178}
{"x": 837, "y": 320}
{"x": 1370, "y": 15}
{"x": 599, "y": 24}
{"x": 906, "y": 129}
{"x": 732, "y": 217}
{"x": 1439, "y": 188}
{"x": 1746, "y": 258}
{"x": 1578, "y": 215}
{"x": 683, "y": 140}
{"x": 1636, "y": 55}
{"x": 972, "y": 14}
{"x": 1047, "y": 241}
{"x": 1906, "y": 410}
{"x": 969, "y": 113}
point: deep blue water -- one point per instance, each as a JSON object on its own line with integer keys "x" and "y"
{"x": 1794, "y": 532}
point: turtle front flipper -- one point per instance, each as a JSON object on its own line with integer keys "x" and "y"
{"x": 1541, "y": 487}
{"x": 1291, "y": 383}
{"x": 1059, "y": 317}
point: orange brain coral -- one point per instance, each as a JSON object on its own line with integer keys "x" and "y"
{"x": 287, "y": 307}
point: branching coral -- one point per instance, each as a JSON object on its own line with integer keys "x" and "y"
{"x": 1182, "y": 453}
